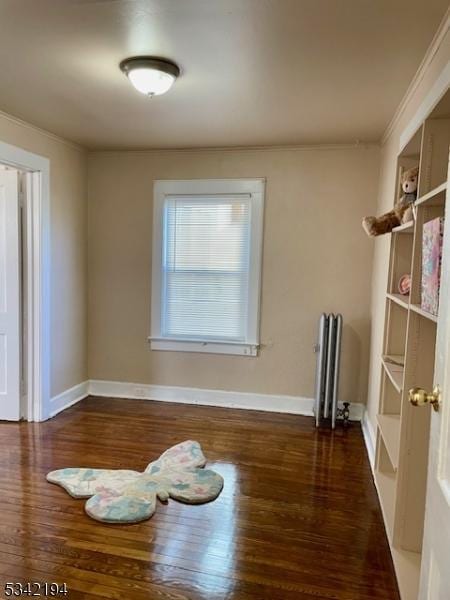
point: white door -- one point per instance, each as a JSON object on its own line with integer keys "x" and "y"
{"x": 435, "y": 572}
{"x": 9, "y": 297}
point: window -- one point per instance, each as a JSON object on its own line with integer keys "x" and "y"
{"x": 206, "y": 272}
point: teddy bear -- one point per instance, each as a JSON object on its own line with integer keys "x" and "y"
{"x": 402, "y": 211}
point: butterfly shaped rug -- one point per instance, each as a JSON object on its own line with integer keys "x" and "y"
{"x": 121, "y": 496}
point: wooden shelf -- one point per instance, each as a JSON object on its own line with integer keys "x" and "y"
{"x": 395, "y": 374}
{"x": 434, "y": 198}
{"x": 386, "y": 485}
{"x": 404, "y": 228}
{"x": 419, "y": 310}
{"x": 389, "y": 426}
{"x": 399, "y": 299}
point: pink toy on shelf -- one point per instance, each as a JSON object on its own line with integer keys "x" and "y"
{"x": 404, "y": 284}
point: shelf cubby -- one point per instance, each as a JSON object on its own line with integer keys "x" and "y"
{"x": 423, "y": 313}
{"x": 401, "y": 256}
{"x": 395, "y": 374}
{"x": 386, "y": 480}
{"x": 389, "y": 426}
{"x": 391, "y": 404}
{"x": 434, "y": 154}
{"x": 399, "y": 299}
{"x": 436, "y": 197}
{"x": 396, "y": 326}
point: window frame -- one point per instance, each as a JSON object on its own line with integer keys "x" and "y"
{"x": 254, "y": 188}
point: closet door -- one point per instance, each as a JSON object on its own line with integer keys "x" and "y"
{"x": 9, "y": 297}
{"x": 435, "y": 573}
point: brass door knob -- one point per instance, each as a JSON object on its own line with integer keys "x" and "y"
{"x": 420, "y": 397}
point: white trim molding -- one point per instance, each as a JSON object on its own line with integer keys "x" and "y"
{"x": 68, "y": 398}
{"x": 437, "y": 91}
{"x": 296, "y": 405}
{"x": 48, "y": 134}
{"x": 168, "y": 194}
{"x": 420, "y": 73}
{"x": 38, "y": 266}
{"x": 359, "y": 144}
{"x": 369, "y": 438}
{"x": 177, "y": 345}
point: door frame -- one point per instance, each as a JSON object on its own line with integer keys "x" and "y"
{"x": 37, "y": 352}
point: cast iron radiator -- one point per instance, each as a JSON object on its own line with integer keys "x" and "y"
{"x": 328, "y": 349}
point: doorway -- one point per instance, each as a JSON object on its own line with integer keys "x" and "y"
{"x": 24, "y": 285}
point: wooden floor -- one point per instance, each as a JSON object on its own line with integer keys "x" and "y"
{"x": 298, "y": 517}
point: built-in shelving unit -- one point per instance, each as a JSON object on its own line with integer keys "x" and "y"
{"x": 408, "y": 357}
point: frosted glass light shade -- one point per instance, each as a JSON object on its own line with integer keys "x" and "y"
{"x": 150, "y": 76}
{"x": 150, "y": 81}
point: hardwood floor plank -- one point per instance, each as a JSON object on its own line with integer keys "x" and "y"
{"x": 298, "y": 518}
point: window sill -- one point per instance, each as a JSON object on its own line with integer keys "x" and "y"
{"x": 234, "y": 348}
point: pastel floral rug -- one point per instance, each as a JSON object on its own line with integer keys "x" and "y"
{"x": 121, "y": 496}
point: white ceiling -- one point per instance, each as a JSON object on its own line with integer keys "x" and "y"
{"x": 255, "y": 72}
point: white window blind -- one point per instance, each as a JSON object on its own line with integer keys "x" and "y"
{"x": 206, "y": 266}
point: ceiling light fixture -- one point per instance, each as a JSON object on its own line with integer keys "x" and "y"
{"x": 150, "y": 75}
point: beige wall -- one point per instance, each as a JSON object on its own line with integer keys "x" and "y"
{"x": 389, "y": 152}
{"x": 316, "y": 258}
{"x": 68, "y": 199}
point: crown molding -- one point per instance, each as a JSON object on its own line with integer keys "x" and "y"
{"x": 436, "y": 93}
{"x": 282, "y": 148}
{"x": 419, "y": 75}
{"x": 44, "y": 132}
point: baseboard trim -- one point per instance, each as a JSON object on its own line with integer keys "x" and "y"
{"x": 369, "y": 439}
{"x": 296, "y": 405}
{"x": 68, "y": 398}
